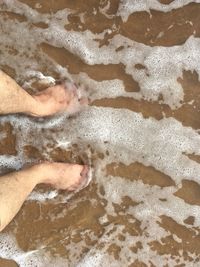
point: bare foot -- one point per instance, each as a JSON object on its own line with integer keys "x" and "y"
{"x": 64, "y": 176}
{"x": 57, "y": 99}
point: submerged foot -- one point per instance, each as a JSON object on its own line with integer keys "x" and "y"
{"x": 65, "y": 176}
{"x": 57, "y": 99}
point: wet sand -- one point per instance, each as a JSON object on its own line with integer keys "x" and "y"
{"x": 76, "y": 229}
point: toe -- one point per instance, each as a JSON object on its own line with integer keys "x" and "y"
{"x": 83, "y": 180}
{"x": 84, "y": 101}
{"x": 84, "y": 171}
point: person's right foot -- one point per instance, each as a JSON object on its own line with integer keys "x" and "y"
{"x": 64, "y": 176}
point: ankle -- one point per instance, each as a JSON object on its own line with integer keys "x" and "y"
{"x": 44, "y": 172}
{"x": 35, "y": 108}
{"x": 37, "y": 173}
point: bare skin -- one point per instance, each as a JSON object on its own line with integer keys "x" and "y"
{"x": 16, "y": 186}
{"x": 55, "y": 99}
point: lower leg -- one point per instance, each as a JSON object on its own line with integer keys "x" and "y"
{"x": 16, "y": 186}
{"x": 15, "y": 99}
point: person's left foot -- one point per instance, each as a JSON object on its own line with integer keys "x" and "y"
{"x": 63, "y": 176}
{"x": 57, "y": 99}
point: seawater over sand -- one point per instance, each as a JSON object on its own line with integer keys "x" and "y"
{"x": 139, "y": 63}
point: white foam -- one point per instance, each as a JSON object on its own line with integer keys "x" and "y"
{"x": 124, "y": 130}
{"x": 149, "y": 196}
{"x": 43, "y": 196}
{"x": 40, "y": 258}
{"x": 127, "y": 7}
{"x": 163, "y": 64}
{"x": 126, "y": 135}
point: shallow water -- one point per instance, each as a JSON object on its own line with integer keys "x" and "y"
{"x": 139, "y": 63}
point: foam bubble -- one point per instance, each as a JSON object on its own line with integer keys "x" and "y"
{"x": 124, "y": 130}
{"x": 127, "y": 7}
{"x": 163, "y": 64}
{"x": 43, "y": 196}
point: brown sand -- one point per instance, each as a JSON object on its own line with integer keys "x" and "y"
{"x": 84, "y": 215}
